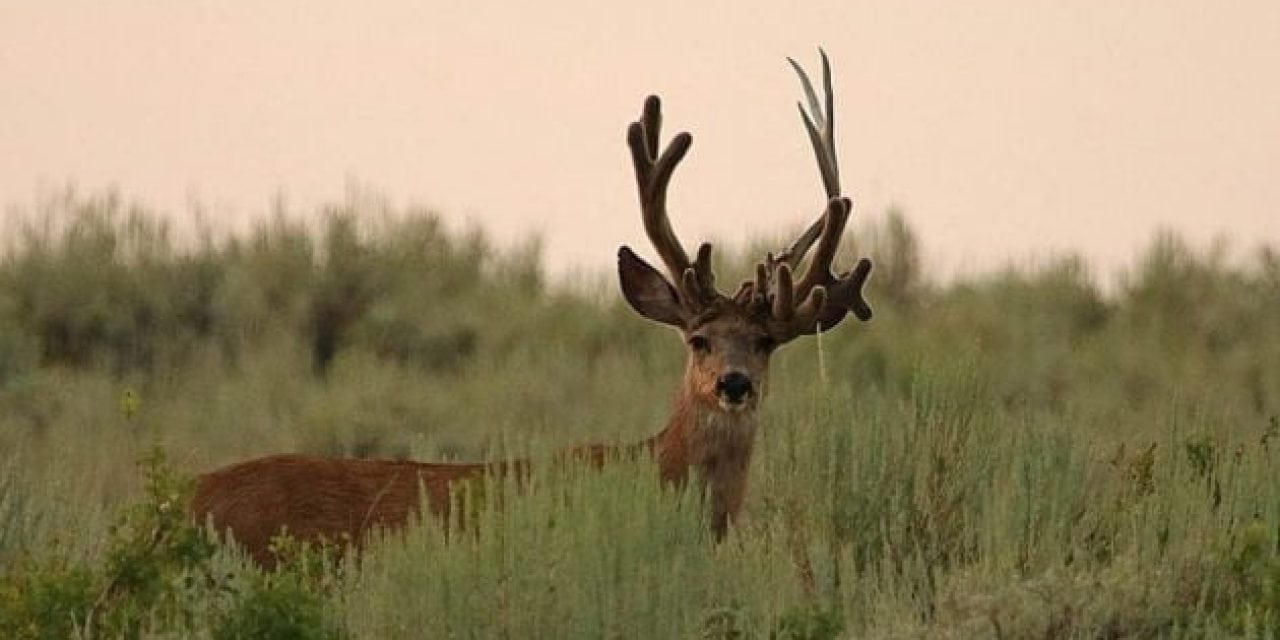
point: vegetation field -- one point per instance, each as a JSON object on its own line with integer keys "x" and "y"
{"x": 1035, "y": 452}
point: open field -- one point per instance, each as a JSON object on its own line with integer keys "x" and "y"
{"x": 1012, "y": 455}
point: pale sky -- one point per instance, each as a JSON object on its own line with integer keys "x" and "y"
{"x": 1005, "y": 129}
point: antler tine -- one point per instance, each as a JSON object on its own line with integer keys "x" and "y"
{"x": 819, "y": 121}
{"x": 653, "y": 176}
{"x": 820, "y": 124}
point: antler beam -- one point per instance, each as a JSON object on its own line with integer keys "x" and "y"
{"x": 820, "y": 299}
{"x": 694, "y": 281}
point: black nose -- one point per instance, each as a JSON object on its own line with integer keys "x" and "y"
{"x": 734, "y": 386}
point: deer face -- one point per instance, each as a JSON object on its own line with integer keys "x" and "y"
{"x": 728, "y": 362}
{"x": 728, "y": 347}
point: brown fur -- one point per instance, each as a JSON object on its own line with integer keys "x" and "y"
{"x": 315, "y": 498}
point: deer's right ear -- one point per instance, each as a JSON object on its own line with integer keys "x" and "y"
{"x": 647, "y": 291}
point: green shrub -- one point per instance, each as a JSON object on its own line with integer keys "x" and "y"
{"x": 152, "y": 575}
{"x": 278, "y": 607}
{"x": 49, "y": 601}
{"x": 292, "y": 602}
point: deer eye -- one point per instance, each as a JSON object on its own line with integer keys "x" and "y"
{"x": 699, "y": 343}
{"x": 765, "y": 344}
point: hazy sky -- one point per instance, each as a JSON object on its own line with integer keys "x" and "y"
{"x": 1004, "y": 129}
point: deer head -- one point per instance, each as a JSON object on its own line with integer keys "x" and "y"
{"x": 730, "y": 338}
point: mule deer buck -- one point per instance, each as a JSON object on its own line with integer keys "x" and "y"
{"x": 711, "y": 431}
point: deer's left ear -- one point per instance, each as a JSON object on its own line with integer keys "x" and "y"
{"x": 647, "y": 291}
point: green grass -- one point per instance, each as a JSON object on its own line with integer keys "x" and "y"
{"x": 1014, "y": 455}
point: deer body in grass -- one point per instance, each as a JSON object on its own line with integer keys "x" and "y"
{"x": 707, "y": 440}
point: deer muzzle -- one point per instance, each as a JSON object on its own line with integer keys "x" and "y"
{"x": 734, "y": 389}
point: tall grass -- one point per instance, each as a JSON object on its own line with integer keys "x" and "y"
{"x": 1016, "y": 454}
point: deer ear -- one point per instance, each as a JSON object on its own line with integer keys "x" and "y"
{"x": 647, "y": 291}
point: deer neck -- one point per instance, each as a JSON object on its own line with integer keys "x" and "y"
{"x": 714, "y": 443}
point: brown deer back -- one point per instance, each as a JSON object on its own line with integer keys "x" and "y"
{"x": 314, "y": 498}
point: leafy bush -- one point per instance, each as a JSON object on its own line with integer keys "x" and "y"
{"x": 44, "y": 602}
{"x": 293, "y": 601}
{"x": 279, "y": 606}
{"x": 152, "y": 574}
{"x": 157, "y": 576}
